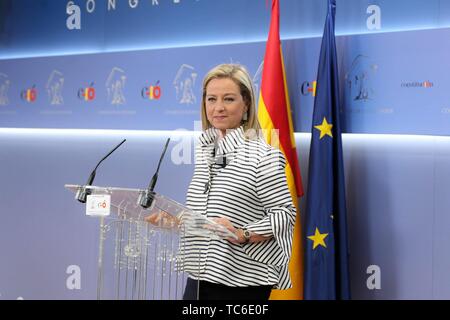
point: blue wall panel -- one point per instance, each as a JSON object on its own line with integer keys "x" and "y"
{"x": 39, "y": 27}
{"x": 396, "y": 194}
{"x": 393, "y": 80}
{"x": 384, "y": 88}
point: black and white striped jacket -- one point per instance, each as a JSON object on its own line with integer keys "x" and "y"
{"x": 251, "y": 191}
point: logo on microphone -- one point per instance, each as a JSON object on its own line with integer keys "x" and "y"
{"x": 101, "y": 205}
{"x": 87, "y": 93}
{"x": 98, "y": 205}
{"x": 29, "y": 95}
{"x": 4, "y": 87}
{"x": 151, "y": 92}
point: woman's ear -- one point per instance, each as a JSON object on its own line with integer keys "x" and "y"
{"x": 247, "y": 105}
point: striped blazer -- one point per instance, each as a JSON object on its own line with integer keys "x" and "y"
{"x": 251, "y": 191}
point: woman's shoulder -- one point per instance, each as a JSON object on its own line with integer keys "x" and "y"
{"x": 260, "y": 144}
{"x": 263, "y": 150}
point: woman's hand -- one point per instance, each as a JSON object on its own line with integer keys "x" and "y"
{"x": 239, "y": 232}
{"x": 162, "y": 219}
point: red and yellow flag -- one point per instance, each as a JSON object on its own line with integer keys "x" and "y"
{"x": 274, "y": 113}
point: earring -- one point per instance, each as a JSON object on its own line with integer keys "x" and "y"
{"x": 244, "y": 118}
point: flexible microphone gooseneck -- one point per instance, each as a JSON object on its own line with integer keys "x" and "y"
{"x": 218, "y": 160}
{"x": 146, "y": 197}
{"x": 83, "y": 192}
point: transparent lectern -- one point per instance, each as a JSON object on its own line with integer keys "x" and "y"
{"x": 138, "y": 260}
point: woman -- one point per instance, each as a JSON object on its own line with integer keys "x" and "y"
{"x": 239, "y": 182}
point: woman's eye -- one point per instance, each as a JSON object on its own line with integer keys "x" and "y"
{"x": 229, "y": 99}
{"x": 211, "y": 99}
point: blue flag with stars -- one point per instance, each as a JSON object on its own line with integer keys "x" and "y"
{"x": 326, "y": 248}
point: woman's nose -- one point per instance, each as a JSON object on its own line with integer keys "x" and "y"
{"x": 220, "y": 106}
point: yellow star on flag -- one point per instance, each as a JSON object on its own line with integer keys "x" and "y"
{"x": 324, "y": 128}
{"x": 318, "y": 238}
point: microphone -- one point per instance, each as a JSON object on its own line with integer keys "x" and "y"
{"x": 82, "y": 193}
{"x": 146, "y": 197}
{"x": 220, "y": 161}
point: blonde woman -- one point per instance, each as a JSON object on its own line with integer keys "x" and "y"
{"x": 239, "y": 182}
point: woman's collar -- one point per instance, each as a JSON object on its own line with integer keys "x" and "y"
{"x": 232, "y": 139}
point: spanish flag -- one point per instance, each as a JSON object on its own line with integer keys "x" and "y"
{"x": 274, "y": 113}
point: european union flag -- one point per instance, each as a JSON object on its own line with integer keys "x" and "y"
{"x": 326, "y": 248}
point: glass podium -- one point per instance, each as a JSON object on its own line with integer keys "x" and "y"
{"x": 139, "y": 260}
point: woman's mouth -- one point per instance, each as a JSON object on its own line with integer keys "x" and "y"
{"x": 219, "y": 118}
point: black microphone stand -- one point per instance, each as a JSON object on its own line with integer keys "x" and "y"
{"x": 147, "y": 196}
{"x": 83, "y": 192}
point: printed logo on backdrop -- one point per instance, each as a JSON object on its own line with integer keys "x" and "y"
{"x": 359, "y": 79}
{"x": 152, "y": 92}
{"x": 373, "y": 282}
{"x": 74, "y": 9}
{"x": 257, "y": 78}
{"x": 184, "y": 84}
{"x": 308, "y": 88}
{"x": 445, "y": 110}
{"x": 417, "y": 84}
{"x": 73, "y": 281}
{"x": 73, "y": 22}
{"x": 29, "y": 94}
{"x": 115, "y": 84}
{"x": 87, "y": 93}
{"x": 54, "y": 86}
{"x": 5, "y": 83}
{"x": 373, "y": 22}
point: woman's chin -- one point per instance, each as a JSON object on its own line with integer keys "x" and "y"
{"x": 220, "y": 126}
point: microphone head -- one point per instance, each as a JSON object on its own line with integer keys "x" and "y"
{"x": 146, "y": 198}
{"x": 82, "y": 194}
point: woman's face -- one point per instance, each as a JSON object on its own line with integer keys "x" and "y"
{"x": 224, "y": 104}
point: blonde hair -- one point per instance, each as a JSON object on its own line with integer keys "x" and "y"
{"x": 240, "y": 76}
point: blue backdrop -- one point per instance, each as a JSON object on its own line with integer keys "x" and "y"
{"x": 385, "y": 88}
{"x": 41, "y": 27}
{"x": 138, "y": 65}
